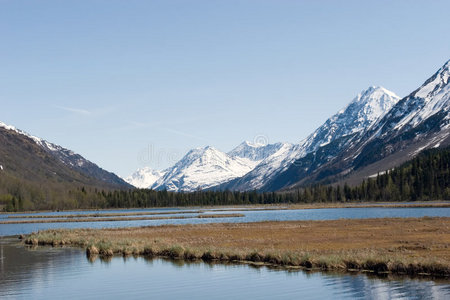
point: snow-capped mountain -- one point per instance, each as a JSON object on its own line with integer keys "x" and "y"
{"x": 428, "y": 100}
{"x": 144, "y": 178}
{"x": 203, "y": 168}
{"x": 254, "y": 152}
{"x": 364, "y": 110}
{"x": 421, "y": 119}
{"x": 417, "y": 122}
{"x": 72, "y": 160}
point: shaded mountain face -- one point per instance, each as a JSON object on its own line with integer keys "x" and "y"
{"x": 203, "y": 168}
{"x": 28, "y": 157}
{"x": 364, "y": 110}
{"x": 417, "y": 122}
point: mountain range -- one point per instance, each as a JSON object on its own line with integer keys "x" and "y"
{"x": 259, "y": 164}
{"x": 376, "y": 131}
{"x": 417, "y": 122}
{"x": 204, "y": 168}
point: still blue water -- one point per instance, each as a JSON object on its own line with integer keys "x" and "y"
{"x": 65, "y": 273}
{"x": 250, "y": 216}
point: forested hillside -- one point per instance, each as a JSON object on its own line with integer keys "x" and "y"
{"x": 426, "y": 177}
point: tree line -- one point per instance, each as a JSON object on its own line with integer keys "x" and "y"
{"x": 426, "y": 177}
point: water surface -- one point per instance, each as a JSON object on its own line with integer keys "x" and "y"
{"x": 250, "y": 216}
{"x": 58, "y": 273}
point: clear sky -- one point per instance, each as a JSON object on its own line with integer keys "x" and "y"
{"x": 131, "y": 83}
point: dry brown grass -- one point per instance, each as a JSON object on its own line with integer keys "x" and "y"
{"x": 115, "y": 219}
{"x": 100, "y": 215}
{"x": 409, "y": 246}
{"x": 434, "y": 204}
{"x": 280, "y": 206}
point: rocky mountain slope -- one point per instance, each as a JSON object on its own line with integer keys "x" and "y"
{"x": 417, "y": 122}
{"x": 27, "y": 156}
{"x": 364, "y": 110}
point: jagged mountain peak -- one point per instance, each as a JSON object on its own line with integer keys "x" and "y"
{"x": 144, "y": 177}
{"x": 202, "y": 168}
{"x": 250, "y": 144}
{"x": 431, "y": 98}
{"x": 417, "y": 122}
{"x": 254, "y": 151}
{"x": 201, "y": 152}
{"x": 363, "y": 111}
{"x": 435, "y": 83}
{"x": 375, "y": 92}
{"x": 371, "y": 103}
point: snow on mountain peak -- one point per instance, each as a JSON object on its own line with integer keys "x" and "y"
{"x": 363, "y": 111}
{"x": 144, "y": 177}
{"x": 202, "y": 168}
{"x": 431, "y": 98}
{"x": 254, "y": 152}
{"x": 205, "y": 167}
{"x": 372, "y": 103}
{"x": 437, "y": 82}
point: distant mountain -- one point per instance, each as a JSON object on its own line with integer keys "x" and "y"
{"x": 145, "y": 177}
{"x": 21, "y": 152}
{"x": 417, "y": 122}
{"x": 254, "y": 152}
{"x": 364, "y": 110}
{"x": 203, "y": 168}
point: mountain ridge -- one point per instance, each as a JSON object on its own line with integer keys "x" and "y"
{"x": 417, "y": 122}
{"x": 204, "y": 167}
{"x": 71, "y": 159}
{"x": 362, "y": 112}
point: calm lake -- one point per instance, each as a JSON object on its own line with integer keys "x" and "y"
{"x": 249, "y": 216}
{"x": 58, "y": 273}
{"x": 55, "y": 273}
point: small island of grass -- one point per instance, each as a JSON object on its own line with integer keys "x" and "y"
{"x": 410, "y": 246}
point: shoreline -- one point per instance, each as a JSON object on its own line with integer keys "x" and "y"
{"x": 117, "y": 219}
{"x": 278, "y": 206}
{"x": 403, "y": 246}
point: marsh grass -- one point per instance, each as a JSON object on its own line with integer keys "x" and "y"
{"x": 101, "y": 215}
{"x": 400, "y": 246}
{"x": 114, "y": 219}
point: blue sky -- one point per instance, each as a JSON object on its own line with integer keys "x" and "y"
{"x": 130, "y": 83}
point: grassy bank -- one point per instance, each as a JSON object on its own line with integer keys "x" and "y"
{"x": 279, "y": 206}
{"x": 100, "y": 215}
{"x": 118, "y": 219}
{"x": 401, "y": 246}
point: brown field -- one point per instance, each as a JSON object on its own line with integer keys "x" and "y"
{"x": 96, "y": 219}
{"x": 401, "y": 246}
